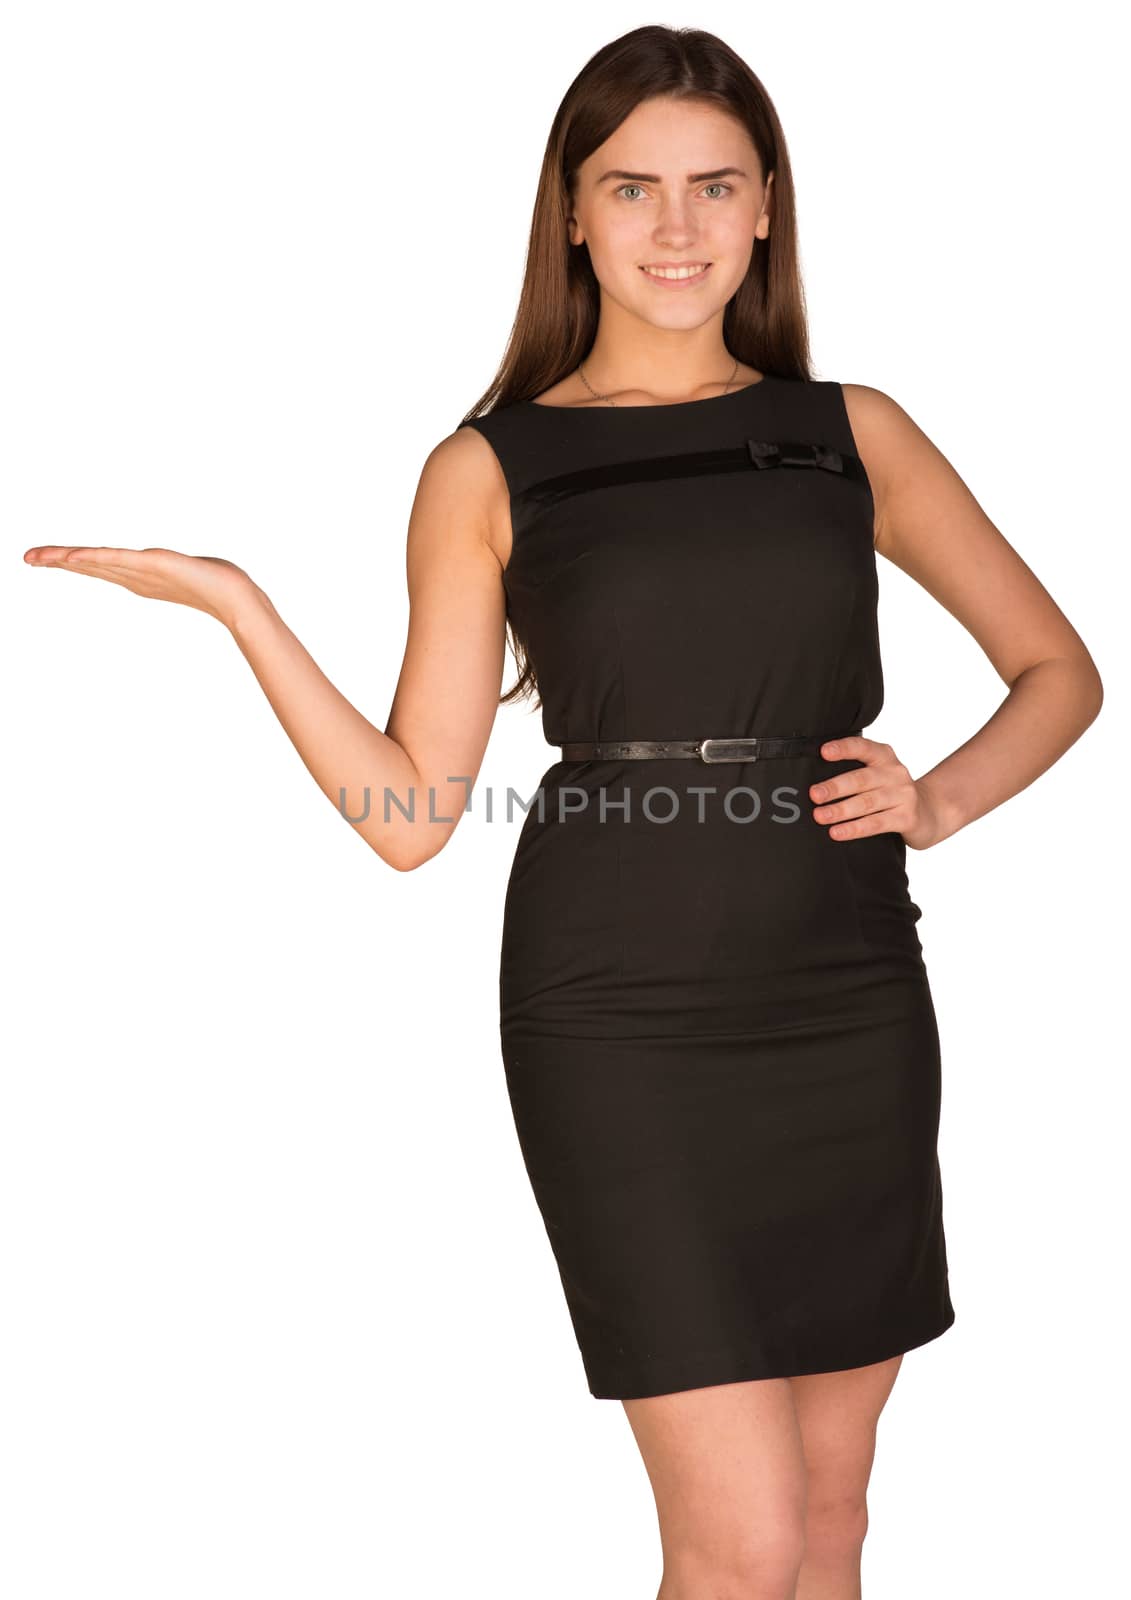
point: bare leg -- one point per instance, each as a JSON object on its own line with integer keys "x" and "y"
{"x": 727, "y": 1469}
{"x": 838, "y": 1413}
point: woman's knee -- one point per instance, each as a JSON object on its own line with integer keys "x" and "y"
{"x": 835, "y": 1525}
{"x": 728, "y": 1472}
{"x": 750, "y": 1565}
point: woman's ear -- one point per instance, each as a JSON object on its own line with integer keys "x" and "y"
{"x": 762, "y": 227}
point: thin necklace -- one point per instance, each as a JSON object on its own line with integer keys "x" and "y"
{"x": 612, "y": 402}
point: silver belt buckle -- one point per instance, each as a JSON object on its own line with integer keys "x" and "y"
{"x": 716, "y": 750}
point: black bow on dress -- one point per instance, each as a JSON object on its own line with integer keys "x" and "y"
{"x": 764, "y": 453}
{"x": 686, "y": 464}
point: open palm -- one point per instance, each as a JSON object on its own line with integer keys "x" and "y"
{"x": 207, "y": 583}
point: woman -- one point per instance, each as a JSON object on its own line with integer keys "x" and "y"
{"x": 717, "y": 1028}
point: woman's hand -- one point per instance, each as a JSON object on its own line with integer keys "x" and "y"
{"x": 207, "y": 583}
{"x": 879, "y": 797}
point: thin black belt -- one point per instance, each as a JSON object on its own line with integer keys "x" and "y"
{"x": 710, "y": 750}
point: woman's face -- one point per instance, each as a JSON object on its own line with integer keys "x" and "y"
{"x": 677, "y": 184}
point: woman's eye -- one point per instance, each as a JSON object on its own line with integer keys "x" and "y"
{"x": 724, "y": 187}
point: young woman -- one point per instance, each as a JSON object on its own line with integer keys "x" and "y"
{"x": 717, "y": 1028}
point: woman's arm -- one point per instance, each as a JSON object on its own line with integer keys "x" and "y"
{"x": 447, "y": 693}
{"x": 930, "y": 525}
{"x": 448, "y": 690}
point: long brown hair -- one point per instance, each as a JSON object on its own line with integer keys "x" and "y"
{"x": 764, "y": 323}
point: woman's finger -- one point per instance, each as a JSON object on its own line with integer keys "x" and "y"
{"x": 856, "y": 805}
{"x": 50, "y": 555}
{"x": 852, "y": 747}
{"x": 97, "y": 555}
{"x": 864, "y": 827}
{"x": 127, "y": 575}
{"x": 115, "y": 565}
{"x": 838, "y": 788}
{"x": 876, "y": 757}
{"x": 207, "y": 583}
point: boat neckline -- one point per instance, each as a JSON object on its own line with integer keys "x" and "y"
{"x": 673, "y": 405}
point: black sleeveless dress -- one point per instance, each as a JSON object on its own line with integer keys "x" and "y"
{"x": 717, "y": 1030}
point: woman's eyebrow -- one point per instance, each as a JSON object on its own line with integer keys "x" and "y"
{"x": 692, "y": 177}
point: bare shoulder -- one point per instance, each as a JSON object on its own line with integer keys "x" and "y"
{"x": 462, "y": 490}
{"x": 881, "y": 426}
{"x": 904, "y": 466}
{"x": 930, "y": 524}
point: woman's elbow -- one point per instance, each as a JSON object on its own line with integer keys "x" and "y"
{"x": 409, "y": 854}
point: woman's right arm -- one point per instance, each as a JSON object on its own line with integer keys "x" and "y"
{"x": 447, "y": 695}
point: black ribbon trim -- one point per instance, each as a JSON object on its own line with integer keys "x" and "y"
{"x": 757, "y": 454}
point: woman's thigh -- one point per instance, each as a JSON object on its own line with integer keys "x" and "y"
{"x": 837, "y": 1413}
{"x": 744, "y": 1474}
{"x": 727, "y": 1469}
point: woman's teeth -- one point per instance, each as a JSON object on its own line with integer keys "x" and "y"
{"x": 678, "y": 274}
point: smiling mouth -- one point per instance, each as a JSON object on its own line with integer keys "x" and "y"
{"x": 692, "y": 272}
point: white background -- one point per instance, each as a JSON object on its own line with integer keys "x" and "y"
{"x": 279, "y": 1315}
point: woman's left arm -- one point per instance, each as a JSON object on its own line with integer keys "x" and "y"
{"x": 930, "y": 525}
